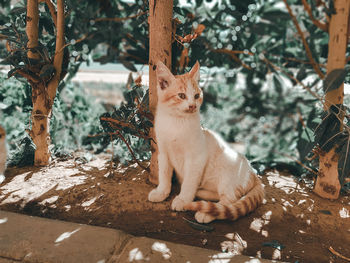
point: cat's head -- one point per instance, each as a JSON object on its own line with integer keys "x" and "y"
{"x": 181, "y": 93}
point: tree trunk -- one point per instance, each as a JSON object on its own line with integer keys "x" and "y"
{"x": 32, "y": 27}
{"x": 160, "y": 37}
{"x": 40, "y": 124}
{"x": 327, "y": 182}
{"x": 39, "y": 132}
{"x": 43, "y": 93}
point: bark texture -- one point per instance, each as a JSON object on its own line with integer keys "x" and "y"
{"x": 43, "y": 93}
{"x": 160, "y": 37}
{"x": 327, "y": 183}
{"x": 32, "y": 27}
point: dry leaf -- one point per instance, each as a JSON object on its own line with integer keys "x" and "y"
{"x": 199, "y": 30}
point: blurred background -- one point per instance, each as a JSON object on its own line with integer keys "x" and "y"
{"x": 263, "y": 88}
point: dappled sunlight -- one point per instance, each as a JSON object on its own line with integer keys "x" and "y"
{"x": 49, "y": 200}
{"x": 90, "y": 202}
{"x": 258, "y": 223}
{"x": 344, "y": 213}
{"x": 39, "y": 183}
{"x": 66, "y": 235}
{"x": 136, "y": 255}
{"x": 235, "y": 246}
{"x": 97, "y": 163}
{"x": 31, "y": 185}
{"x": 229, "y": 257}
{"x": 285, "y": 183}
{"x": 221, "y": 258}
{"x": 277, "y": 254}
{"x": 162, "y": 248}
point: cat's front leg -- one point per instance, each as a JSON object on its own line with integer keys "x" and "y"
{"x": 189, "y": 187}
{"x": 163, "y": 189}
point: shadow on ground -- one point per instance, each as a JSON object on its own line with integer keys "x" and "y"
{"x": 293, "y": 224}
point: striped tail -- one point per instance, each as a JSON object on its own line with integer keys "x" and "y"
{"x": 250, "y": 199}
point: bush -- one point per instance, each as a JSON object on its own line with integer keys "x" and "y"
{"x": 75, "y": 116}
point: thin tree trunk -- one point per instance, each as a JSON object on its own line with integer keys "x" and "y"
{"x": 39, "y": 99}
{"x": 43, "y": 94}
{"x": 160, "y": 37}
{"x": 40, "y": 124}
{"x": 327, "y": 183}
{"x": 57, "y": 62}
{"x": 32, "y": 27}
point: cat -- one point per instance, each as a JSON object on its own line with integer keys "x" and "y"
{"x": 205, "y": 166}
{"x": 3, "y": 153}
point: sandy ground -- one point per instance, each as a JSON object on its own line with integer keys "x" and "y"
{"x": 293, "y": 225}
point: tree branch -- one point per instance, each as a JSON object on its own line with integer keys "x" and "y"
{"x": 58, "y": 58}
{"x": 76, "y": 42}
{"x": 320, "y": 25}
{"x": 131, "y": 151}
{"x": 314, "y": 94}
{"x": 292, "y": 77}
{"x": 126, "y": 125}
{"x": 298, "y": 60}
{"x": 118, "y": 19}
{"x": 232, "y": 54}
{"x": 29, "y": 77}
{"x": 52, "y": 11}
{"x": 306, "y": 46}
{"x": 32, "y": 20}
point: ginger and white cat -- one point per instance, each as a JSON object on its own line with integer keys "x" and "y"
{"x": 3, "y": 152}
{"x": 205, "y": 165}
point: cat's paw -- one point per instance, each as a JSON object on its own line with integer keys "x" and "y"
{"x": 157, "y": 196}
{"x": 203, "y": 217}
{"x": 178, "y": 204}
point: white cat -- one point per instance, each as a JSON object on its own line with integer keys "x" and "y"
{"x": 3, "y": 153}
{"x": 205, "y": 165}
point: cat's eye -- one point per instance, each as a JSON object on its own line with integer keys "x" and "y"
{"x": 196, "y": 97}
{"x": 182, "y": 96}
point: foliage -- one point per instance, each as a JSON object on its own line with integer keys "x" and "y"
{"x": 254, "y": 40}
{"x": 16, "y": 105}
{"x": 88, "y": 27}
{"x": 130, "y": 124}
{"x": 75, "y": 116}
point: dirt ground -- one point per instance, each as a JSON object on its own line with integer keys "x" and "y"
{"x": 293, "y": 225}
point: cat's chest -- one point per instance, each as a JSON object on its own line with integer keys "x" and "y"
{"x": 178, "y": 137}
{"x": 177, "y": 140}
{"x": 176, "y": 130}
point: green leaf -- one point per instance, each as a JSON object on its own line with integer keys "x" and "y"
{"x": 274, "y": 244}
{"x": 278, "y": 83}
{"x": 129, "y": 65}
{"x": 47, "y": 70}
{"x": 10, "y": 73}
{"x": 18, "y": 10}
{"x": 326, "y": 212}
{"x": 334, "y": 79}
{"x": 274, "y": 14}
{"x": 197, "y": 226}
{"x": 304, "y": 144}
{"x": 301, "y": 73}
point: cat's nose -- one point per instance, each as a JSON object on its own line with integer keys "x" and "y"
{"x": 192, "y": 107}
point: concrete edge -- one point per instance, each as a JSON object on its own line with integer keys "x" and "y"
{"x": 26, "y": 238}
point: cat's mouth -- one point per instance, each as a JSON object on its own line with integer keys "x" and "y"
{"x": 191, "y": 110}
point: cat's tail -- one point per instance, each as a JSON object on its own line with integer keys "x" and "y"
{"x": 224, "y": 209}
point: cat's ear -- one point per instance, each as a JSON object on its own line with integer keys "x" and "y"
{"x": 164, "y": 76}
{"x": 194, "y": 73}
